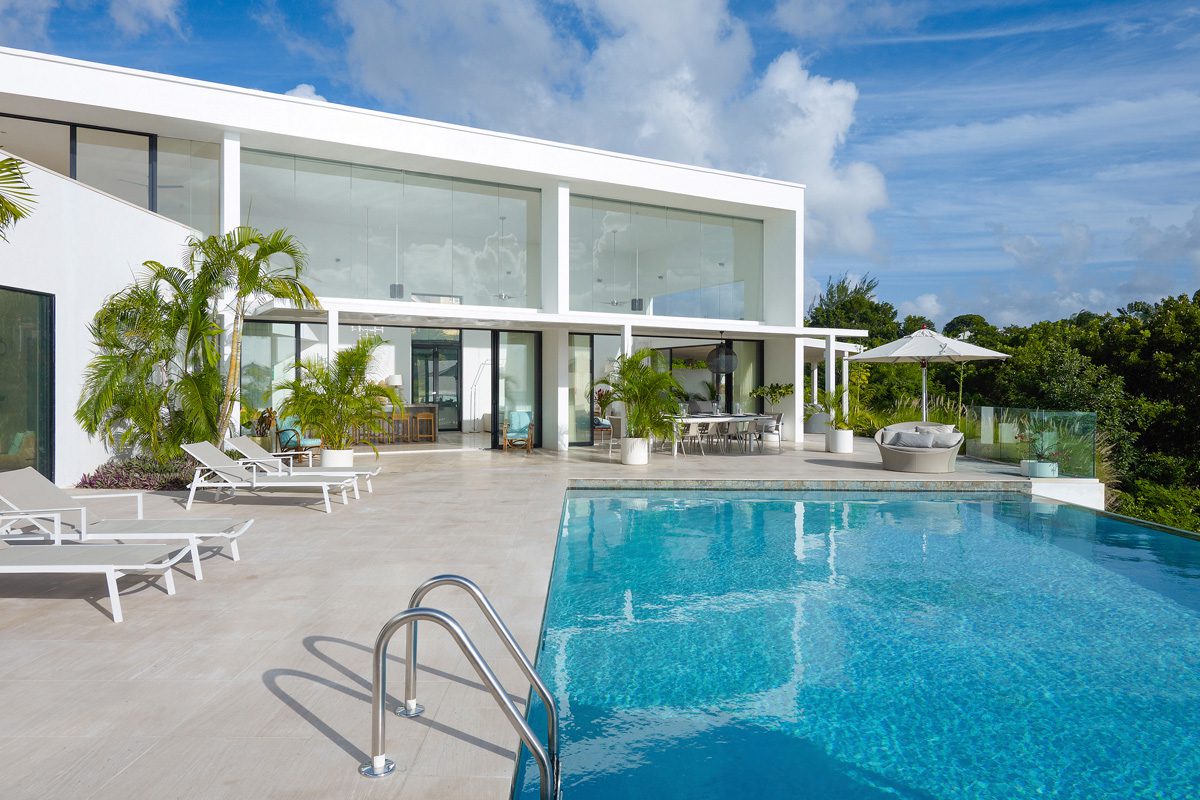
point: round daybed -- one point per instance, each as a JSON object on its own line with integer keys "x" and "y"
{"x": 936, "y": 457}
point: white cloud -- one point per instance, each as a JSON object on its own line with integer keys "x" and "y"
{"x": 24, "y": 23}
{"x": 673, "y": 81}
{"x": 924, "y": 305}
{"x": 135, "y": 17}
{"x": 305, "y": 90}
{"x": 815, "y": 19}
{"x": 1172, "y": 245}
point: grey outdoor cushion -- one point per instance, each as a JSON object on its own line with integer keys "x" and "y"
{"x": 946, "y": 438}
{"x": 911, "y": 439}
{"x": 935, "y": 427}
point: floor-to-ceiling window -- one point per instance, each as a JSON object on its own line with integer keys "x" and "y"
{"x": 516, "y": 379}
{"x": 26, "y": 381}
{"x": 177, "y": 178}
{"x": 639, "y": 259}
{"x": 590, "y": 358}
{"x": 388, "y": 234}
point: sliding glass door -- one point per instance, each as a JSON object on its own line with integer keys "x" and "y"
{"x": 437, "y": 374}
{"x": 516, "y": 381}
{"x": 26, "y": 381}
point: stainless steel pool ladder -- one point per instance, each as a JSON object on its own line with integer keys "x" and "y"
{"x": 546, "y": 758}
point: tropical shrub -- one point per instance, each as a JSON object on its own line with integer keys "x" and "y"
{"x": 142, "y": 473}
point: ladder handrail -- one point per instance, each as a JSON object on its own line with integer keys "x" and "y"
{"x": 380, "y": 764}
{"x": 493, "y": 617}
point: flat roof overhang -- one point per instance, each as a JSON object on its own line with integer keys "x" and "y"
{"x": 435, "y": 315}
{"x": 52, "y": 87}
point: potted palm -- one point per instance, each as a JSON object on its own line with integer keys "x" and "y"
{"x": 337, "y": 402}
{"x": 642, "y": 382}
{"x": 839, "y": 436}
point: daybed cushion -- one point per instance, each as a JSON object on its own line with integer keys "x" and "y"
{"x": 911, "y": 439}
{"x": 946, "y": 438}
{"x": 935, "y": 427}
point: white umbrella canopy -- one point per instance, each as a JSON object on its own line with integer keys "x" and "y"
{"x": 922, "y": 347}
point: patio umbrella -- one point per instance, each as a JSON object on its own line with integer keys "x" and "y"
{"x": 922, "y": 347}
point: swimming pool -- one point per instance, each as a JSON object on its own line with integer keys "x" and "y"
{"x": 836, "y": 645}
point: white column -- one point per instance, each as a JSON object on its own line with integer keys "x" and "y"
{"x": 830, "y": 365}
{"x": 846, "y": 385}
{"x": 783, "y": 362}
{"x": 813, "y": 382}
{"x": 556, "y": 248}
{"x": 627, "y": 340}
{"x": 231, "y": 181}
{"x": 331, "y": 319}
{"x": 556, "y": 398}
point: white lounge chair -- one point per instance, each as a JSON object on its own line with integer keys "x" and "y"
{"x": 109, "y": 560}
{"x": 220, "y": 472}
{"x": 34, "y": 499}
{"x": 259, "y": 457}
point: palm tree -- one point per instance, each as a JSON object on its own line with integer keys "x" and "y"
{"x": 335, "y": 400}
{"x": 240, "y": 263}
{"x": 155, "y": 381}
{"x": 16, "y": 198}
{"x": 649, "y": 391}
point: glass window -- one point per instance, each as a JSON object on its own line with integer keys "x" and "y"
{"x": 46, "y": 144}
{"x": 268, "y": 357}
{"x": 664, "y": 261}
{"x": 117, "y": 163}
{"x": 188, "y": 182}
{"x": 26, "y": 378}
{"x": 748, "y": 376}
{"x": 379, "y": 233}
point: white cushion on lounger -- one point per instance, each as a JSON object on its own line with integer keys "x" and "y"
{"x": 935, "y": 427}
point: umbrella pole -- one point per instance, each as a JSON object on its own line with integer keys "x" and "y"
{"x": 924, "y": 393}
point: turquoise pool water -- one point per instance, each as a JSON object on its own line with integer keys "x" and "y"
{"x": 832, "y": 645}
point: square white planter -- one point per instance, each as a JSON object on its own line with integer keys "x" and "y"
{"x": 1043, "y": 469}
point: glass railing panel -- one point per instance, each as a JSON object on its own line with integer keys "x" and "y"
{"x": 1013, "y": 435}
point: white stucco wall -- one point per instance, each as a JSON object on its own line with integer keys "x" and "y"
{"x": 80, "y": 245}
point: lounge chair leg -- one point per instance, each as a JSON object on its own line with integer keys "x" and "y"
{"x": 345, "y": 497}
{"x": 191, "y": 497}
{"x": 196, "y": 568}
{"x": 233, "y": 550}
{"x": 114, "y": 598}
{"x": 169, "y": 580}
{"x": 325, "y": 494}
{"x": 355, "y": 490}
{"x": 370, "y": 488}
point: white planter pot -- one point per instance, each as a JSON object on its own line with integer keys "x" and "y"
{"x": 635, "y": 451}
{"x": 337, "y": 458}
{"x": 839, "y": 441}
{"x": 1025, "y": 465}
{"x": 1043, "y": 469}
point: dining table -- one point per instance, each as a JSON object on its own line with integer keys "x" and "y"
{"x": 686, "y": 419}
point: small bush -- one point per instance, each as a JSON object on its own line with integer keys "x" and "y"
{"x": 142, "y": 472}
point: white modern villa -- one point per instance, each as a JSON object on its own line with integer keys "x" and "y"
{"x": 503, "y": 272}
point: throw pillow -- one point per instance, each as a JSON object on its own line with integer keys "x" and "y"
{"x": 946, "y": 439}
{"x": 934, "y": 427}
{"x": 911, "y": 439}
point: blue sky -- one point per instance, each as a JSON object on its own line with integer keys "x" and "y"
{"x": 1022, "y": 160}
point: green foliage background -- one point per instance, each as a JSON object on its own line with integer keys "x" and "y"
{"x": 1138, "y": 369}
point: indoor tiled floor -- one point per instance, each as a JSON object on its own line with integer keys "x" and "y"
{"x": 255, "y": 682}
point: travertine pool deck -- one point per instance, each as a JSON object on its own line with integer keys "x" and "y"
{"x": 255, "y": 682}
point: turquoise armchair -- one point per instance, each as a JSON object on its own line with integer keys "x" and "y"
{"x": 517, "y": 432}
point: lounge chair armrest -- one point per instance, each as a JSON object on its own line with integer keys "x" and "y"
{"x": 137, "y": 495}
{"x": 53, "y": 516}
